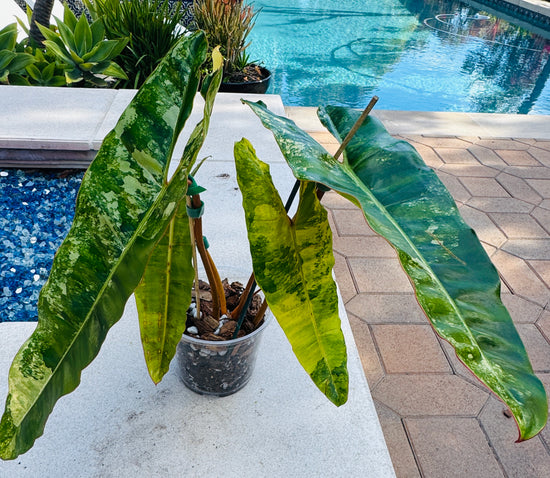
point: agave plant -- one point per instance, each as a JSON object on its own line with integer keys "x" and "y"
{"x": 131, "y": 222}
{"x": 12, "y": 62}
{"x": 82, "y": 50}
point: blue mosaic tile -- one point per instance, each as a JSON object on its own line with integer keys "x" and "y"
{"x": 36, "y": 212}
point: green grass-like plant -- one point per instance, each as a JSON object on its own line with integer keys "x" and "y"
{"x": 226, "y": 23}
{"x": 152, "y": 27}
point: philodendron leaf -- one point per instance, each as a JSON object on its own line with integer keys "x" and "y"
{"x": 164, "y": 293}
{"x": 293, "y": 266}
{"x": 123, "y": 208}
{"x": 454, "y": 280}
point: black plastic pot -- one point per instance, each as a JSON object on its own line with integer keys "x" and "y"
{"x": 259, "y": 86}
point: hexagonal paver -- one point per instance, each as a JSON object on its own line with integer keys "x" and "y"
{"x": 518, "y": 226}
{"x": 485, "y": 229}
{"x": 383, "y": 308}
{"x": 518, "y": 188}
{"x": 486, "y": 187}
{"x": 518, "y": 158}
{"x": 452, "y": 448}
{"x": 429, "y": 394}
{"x": 423, "y": 353}
{"x": 379, "y": 275}
{"x": 529, "y": 459}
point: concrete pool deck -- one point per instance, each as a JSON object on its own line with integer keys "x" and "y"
{"x": 437, "y": 420}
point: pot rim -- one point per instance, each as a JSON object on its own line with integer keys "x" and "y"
{"x": 222, "y": 343}
{"x": 252, "y": 82}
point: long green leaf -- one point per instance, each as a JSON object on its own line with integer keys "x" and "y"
{"x": 454, "y": 280}
{"x": 293, "y": 266}
{"x": 164, "y": 293}
{"x": 123, "y": 207}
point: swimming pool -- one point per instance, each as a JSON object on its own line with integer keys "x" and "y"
{"x": 431, "y": 55}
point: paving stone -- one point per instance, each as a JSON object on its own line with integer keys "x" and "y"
{"x": 521, "y": 310}
{"x": 528, "y": 172}
{"x": 503, "y": 144}
{"x": 486, "y": 187}
{"x": 543, "y": 145}
{"x": 452, "y": 448}
{"x": 485, "y": 229}
{"x": 518, "y": 158}
{"x": 367, "y": 351}
{"x": 363, "y": 246}
{"x": 429, "y": 394}
{"x": 429, "y": 156}
{"x": 499, "y": 204}
{"x": 518, "y": 188}
{"x": 344, "y": 279}
{"x": 489, "y": 249}
{"x": 470, "y": 170}
{"x": 543, "y": 217}
{"x": 379, "y": 275}
{"x": 541, "y": 155}
{"x": 455, "y": 155}
{"x": 545, "y": 204}
{"x": 528, "y": 459}
{"x": 351, "y": 222}
{"x": 386, "y": 308}
{"x": 398, "y": 443}
{"x": 440, "y": 141}
{"x": 455, "y": 187}
{"x": 332, "y": 200}
{"x": 520, "y": 278}
{"x": 528, "y": 248}
{"x": 541, "y": 186}
{"x": 542, "y": 268}
{"x": 545, "y": 379}
{"x": 487, "y": 156}
{"x": 406, "y": 348}
{"x": 516, "y": 225}
{"x": 538, "y": 348}
{"x": 544, "y": 324}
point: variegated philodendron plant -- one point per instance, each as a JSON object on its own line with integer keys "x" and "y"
{"x": 131, "y": 221}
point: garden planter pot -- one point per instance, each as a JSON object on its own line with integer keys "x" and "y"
{"x": 218, "y": 368}
{"x": 253, "y": 86}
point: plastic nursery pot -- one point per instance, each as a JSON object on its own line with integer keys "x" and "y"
{"x": 218, "y": 368}
{"x": 256, "y": 86}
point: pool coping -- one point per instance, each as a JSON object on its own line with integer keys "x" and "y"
{"x": 64, "y": 127}
{"x": 535, "y": 14}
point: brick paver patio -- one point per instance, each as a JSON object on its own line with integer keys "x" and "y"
{"x": 438, "y": 421}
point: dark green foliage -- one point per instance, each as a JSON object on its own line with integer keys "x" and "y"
{"x": 152, "y": 26}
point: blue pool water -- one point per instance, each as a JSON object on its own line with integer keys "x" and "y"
{"x": 431, "y": 55}
{"x": 36, "y": 211}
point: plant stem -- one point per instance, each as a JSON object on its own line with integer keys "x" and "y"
{"x": 219, "y": 306}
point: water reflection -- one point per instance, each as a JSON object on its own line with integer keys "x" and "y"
{"x": 418, "y": 55}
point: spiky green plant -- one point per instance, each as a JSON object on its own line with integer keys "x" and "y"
{"x": 84, "y": 53}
